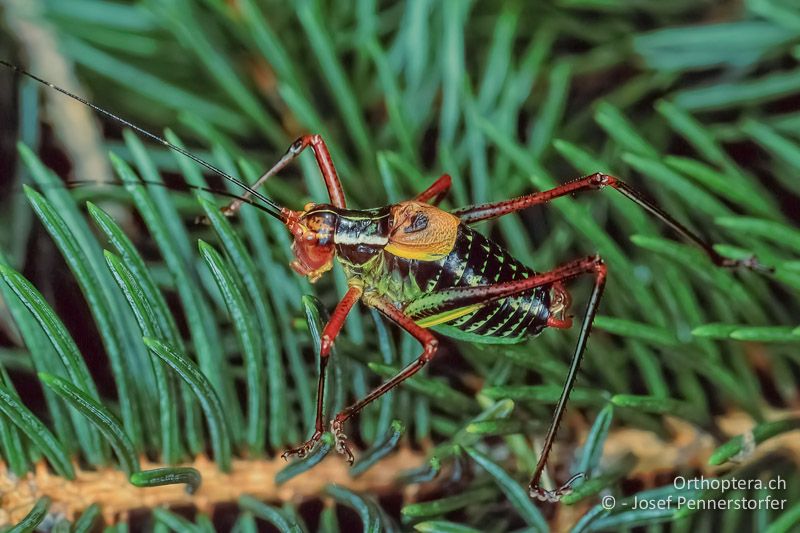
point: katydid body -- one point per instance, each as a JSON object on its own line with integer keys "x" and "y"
{"x": 425, "y": 268}
{"x": 365, "y": 243}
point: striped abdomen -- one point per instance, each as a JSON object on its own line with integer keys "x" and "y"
{"x": 476, "y": 260}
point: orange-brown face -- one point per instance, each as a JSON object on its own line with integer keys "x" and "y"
{"x": 313, "y": 242}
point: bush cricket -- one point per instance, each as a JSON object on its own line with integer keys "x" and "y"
{"x": 427, "y": 269}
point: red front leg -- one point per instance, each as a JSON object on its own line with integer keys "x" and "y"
{"x": 329, "y": 334}
{"x": 324, "y": 161}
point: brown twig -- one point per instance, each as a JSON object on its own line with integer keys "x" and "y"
{"x": 117, "y": 497}
{"x": 688, "y": 449}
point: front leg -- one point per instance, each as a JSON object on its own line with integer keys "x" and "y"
{"x": 430, "y": 345}
{"x": 332, "y": 329}
{"x": 324, "y": 161}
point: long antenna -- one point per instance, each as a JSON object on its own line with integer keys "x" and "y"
{"x": 74, "y": 184}
{"x": 274, "y": 209}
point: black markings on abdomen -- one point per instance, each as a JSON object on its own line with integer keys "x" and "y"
{"x": 476, "y": 260}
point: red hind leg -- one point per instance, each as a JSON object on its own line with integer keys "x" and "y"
{"x": 463, "y": 296}
{"x": 535, "y": 489}
{"x": 595, "y": 182}
{"x": 459, "y": 297}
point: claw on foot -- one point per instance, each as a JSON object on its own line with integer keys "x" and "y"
{"x": 750, "y": 263}
{"x": 553, "y": 496}
{"x": 302, "y": 450}
{"x": 337, "y": 428}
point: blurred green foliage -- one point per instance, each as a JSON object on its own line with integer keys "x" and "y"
{"x": 694, "y": 102}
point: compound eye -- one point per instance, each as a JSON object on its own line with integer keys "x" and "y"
{"x": 418, "y": 222}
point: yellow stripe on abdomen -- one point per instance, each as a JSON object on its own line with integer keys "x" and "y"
{"x": 435, "y": 320}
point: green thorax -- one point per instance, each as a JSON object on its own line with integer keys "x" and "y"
{"x": 376, "y": 277}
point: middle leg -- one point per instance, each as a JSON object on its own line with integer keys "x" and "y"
{"x": 436, "y": 192}
{"x": 430, "y": 345}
